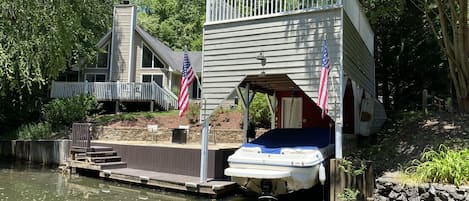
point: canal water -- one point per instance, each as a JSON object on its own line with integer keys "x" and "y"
{"x": 21, "y": 181}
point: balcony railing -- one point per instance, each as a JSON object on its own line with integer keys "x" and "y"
{"x": 109, "y": 91}
{"x": 223, "y": 10}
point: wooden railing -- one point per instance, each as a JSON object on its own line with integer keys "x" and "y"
{"x": 109, "y": 91}
{"x": 223, "y": 10}
{"x": 81, "y": 137}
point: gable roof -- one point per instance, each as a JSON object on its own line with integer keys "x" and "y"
{"x": 172, "y": 58}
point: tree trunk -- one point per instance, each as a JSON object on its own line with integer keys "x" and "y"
{"x": 463, "y": 104}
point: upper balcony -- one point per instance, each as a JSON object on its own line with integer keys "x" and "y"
{"x": 228, "y": 10}
{"x": 224, "y": 11}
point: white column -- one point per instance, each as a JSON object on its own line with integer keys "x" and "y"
{"x": 204, "y": 148}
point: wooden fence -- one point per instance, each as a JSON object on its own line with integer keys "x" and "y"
{"x": 341, "y": 180}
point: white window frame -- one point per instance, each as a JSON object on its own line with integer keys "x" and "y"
{"x": 152, "y": 60}
{"x": 153, "y": 74}
{"x": 105, "y": 76}
{"x": 108, "y": 44}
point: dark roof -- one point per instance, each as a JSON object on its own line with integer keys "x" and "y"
{"x": 173, "y": 59}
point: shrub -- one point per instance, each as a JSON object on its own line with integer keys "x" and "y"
{"x": 348, "y": 195}
{"x": 193, "y": 112}
{"x": 35, "y": 131}
{"x": 443, "y": 165}
{"x": 127, "y": 117}
{"x": 149, "y": 115}
{"x": 62, "y": 113}
{"x": 258, "y": 112}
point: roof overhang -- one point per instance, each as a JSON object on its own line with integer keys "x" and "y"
{"x": 269, "y": 83}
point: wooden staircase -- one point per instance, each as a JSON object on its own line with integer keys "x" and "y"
{"x": 102, "y": 157}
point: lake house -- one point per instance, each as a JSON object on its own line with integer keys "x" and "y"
{"x": 133, "y": 67}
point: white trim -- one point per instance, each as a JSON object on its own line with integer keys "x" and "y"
{"x": 152, "y": 74}
{"x": 97, "y": 57}
{"x": 339, "y": 119}
{"x": 132, "y": 28}
{"x": 112, "y": 43}
{"x": 165, "y": 66}
{"x": 105, "y": 76}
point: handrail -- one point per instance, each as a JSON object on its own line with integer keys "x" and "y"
{"x": 108, "y": 91}
{"x": 224, "y": 10}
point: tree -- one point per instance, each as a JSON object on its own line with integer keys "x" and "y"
{"x": 407, "y": 57}
{"x": 177, "y": 23}
{"x": 449, "y": 21}
{"x": 38, "y": 40}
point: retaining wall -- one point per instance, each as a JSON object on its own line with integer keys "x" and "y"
{"x": 164, "y": 134}
{"x": 387, "y": 189}
{"x": 40, "y": 151}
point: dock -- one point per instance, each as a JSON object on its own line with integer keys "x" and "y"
{"x": 173, "y": 167}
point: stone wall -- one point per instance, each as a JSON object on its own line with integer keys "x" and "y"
{"x": 387, "y": 189}
{"x": 164, "y": 134}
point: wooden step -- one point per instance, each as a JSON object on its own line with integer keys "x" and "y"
{"x": 112, "y": 165}
{"x": 100, "y": 148}
{"x": 106, "y": 159}
{"x": 101, "y": 153}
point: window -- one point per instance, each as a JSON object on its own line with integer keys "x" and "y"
{"x": 158, "y": 79}
{"x": 102, "y": 58}
{"x": 95, "y": 77}
{"x": 149, "y": 59}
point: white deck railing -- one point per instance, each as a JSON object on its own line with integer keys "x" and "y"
{"x": 222, "y": 10}
{"x": 109, "y": 91}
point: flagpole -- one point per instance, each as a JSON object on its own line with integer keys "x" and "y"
{"x": 196, "y": 76}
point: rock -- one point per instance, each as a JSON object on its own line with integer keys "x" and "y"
{"x": 444, "y": 196}
{"x": 393, "y": 195}
{"x": 432, "y": 190}
{"x": 425, "y": 196}
{"x": 412, "y": 192}
{"x": 398, "y": 188}
{"x": 381, "y": 198}
{"x": 457, "y": 195}
{"x": 402, "y": 197}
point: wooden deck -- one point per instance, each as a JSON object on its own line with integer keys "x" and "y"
{"x": 169, "y": 166}
{"x": 176, "y": 182}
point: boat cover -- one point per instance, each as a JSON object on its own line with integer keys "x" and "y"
{"x": 274, "y": 140}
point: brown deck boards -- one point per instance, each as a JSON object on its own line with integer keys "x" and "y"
{"x": 170, "y": 181}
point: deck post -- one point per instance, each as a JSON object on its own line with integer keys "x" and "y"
{"x": 246, "y": 113}
{"x": 152, "y": 106}
{"x": 116, "y": 109}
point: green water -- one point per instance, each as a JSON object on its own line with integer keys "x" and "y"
{"x": 20, "y": 181}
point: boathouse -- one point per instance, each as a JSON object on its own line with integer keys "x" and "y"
{"x": 275, "y": 47}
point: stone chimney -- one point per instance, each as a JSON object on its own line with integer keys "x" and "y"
{"x": 123, "y": 31}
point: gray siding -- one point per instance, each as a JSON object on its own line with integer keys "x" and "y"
{"x": 124, "y": 26}
{"x": 292, "y": 45}
{"x": 359, "y": 64}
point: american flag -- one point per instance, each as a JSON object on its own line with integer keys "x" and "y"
{"x": 325, "y": 68}
{"x": 187, "y": 78}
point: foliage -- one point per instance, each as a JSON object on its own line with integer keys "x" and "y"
{"x": 38, "y": 40}
{"x": 193, "y": 112}
{"x": 63, "y": 112}
{"x": 349, "y": 194}
{"x": 35, "y": 131}
{"x": 407, "y": 58}
{"x": 259, "y": 112}
{"x": 443, "y": 165}
{"x": 449, "y": 21}
{"x": 351, "y": 167}
{"x": 132, "y": 116}
{"x": 176, "y": 22}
